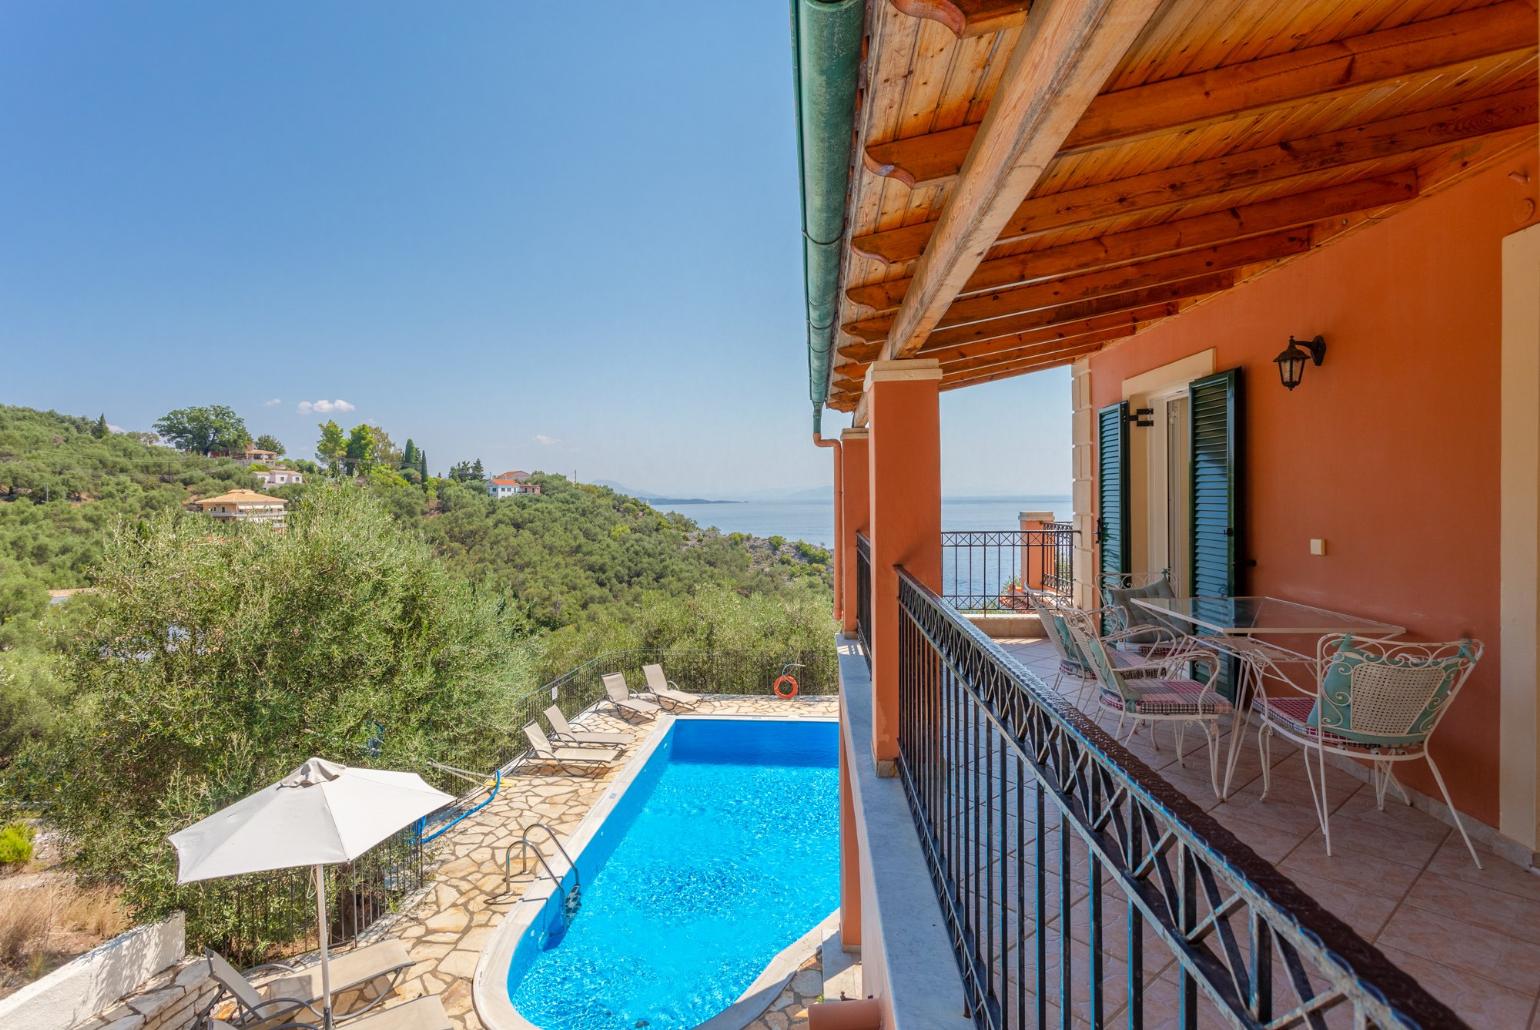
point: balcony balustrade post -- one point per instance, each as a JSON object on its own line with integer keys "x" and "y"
{"x": 904, "y": 451}
{"x": 1036, "y": 547}
{"x": 857, "y": 502}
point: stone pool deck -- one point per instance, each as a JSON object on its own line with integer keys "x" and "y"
{"x": 447, "y": 928}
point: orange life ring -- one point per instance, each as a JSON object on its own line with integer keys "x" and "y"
{"x": 786, "y": 678}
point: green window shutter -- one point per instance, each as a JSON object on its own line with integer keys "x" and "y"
{"x": 1214, "y": 411}
{"x": 1112, "y": 489}
{"x": 1214, "y": 414}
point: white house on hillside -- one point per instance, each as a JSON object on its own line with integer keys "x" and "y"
{"x": 511, "y": 483}
{"x": 279, "y": 476}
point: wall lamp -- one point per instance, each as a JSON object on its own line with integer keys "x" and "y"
{"x": 1291, "y": 363}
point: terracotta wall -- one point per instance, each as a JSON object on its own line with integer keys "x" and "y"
{"x": 1390, "y": 449}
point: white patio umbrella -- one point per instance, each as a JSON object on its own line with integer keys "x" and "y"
{"x": 319, "y": 814}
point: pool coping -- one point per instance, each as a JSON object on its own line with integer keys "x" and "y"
{"x": 489, "y": 992}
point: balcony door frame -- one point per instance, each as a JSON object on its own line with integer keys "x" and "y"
{"x": 1150, "y": 467}
{"x": 1519, "y": 721}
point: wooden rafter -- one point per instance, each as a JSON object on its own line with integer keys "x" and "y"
{"x": 1066, "y": 51}
{"x": 1401, "y": 136}
{"x": 856, "y": 363}
{"x": 1078, "y": 344}
{"x": 968, "y": 17}
{"x": 1181, "y": 104}
{"x": 997, "y": 328}
{"x": 1118, "y": 279}
{"x": 1218, "y": 227}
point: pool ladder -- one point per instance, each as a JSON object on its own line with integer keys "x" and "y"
{"x": 570, "y": 901}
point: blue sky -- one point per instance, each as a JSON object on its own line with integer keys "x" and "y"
{"x": 547, "y": 239}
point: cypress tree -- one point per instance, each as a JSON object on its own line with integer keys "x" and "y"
{"x": 100, "y": 430}
{"x": 409, "y": 455}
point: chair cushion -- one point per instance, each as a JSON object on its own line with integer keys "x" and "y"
{"x": 1137, "y": 615}
{"x": 1333, "y": 712}
{"x": 1168, "y": 697}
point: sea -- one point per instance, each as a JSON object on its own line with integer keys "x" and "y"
{"x": 813, "y": 521}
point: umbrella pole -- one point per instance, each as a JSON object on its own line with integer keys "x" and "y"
{"x": 326, "y": 969}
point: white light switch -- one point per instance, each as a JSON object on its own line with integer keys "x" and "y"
{"x": 1317, "y": 545}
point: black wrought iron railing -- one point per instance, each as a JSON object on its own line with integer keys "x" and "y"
{"x": 864, "y": 596}
{"x": 989, "y": 570}
{"x": 1034, "y": 821}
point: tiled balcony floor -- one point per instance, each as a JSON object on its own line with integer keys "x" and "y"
{"x": 1402, "y": 879}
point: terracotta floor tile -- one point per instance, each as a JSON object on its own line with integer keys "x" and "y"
{"x": 1480, "y": 1002}
{"x": 1481, "y": 906}
{"x": 1472, "y": 949}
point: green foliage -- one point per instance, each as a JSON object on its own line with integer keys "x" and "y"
{"x": 332, "y": 447}
{"x": 467, "y": 471}
{"x": 269, "y": 442}
{"x": 202, "y": 430}
{"x": 101, "y": 429}
{"x": 16, "y": 843}
{"x": 218, "y": 661}
{"x": 361, "y": 449}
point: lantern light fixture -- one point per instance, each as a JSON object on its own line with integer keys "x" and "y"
{"x": 1291, "y": 363}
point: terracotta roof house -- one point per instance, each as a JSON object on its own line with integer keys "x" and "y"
{"x": 510, "y": 484}
{"x": 243, "y": 506}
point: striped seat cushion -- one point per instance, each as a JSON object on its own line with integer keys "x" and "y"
{"x": 1293, "y": 714}
{"x": 1168, "y": 697}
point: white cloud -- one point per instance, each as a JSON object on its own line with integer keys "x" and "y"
{"x": 324, "y": 407}
{"x": 273, "y": 403}
{"x": 545, "y": 440}
{"x": 115, "y": 429}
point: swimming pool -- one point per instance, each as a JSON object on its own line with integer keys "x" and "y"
{"x": 717, "y": 851}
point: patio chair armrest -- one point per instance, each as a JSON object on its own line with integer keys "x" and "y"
{"x": 1160, "y": 634}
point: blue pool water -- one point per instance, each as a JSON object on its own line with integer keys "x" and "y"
{"x": 723, "y": 851}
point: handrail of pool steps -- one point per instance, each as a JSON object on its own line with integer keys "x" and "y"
{"x": 985, "y": 748}
{"x": 524, "y": 845}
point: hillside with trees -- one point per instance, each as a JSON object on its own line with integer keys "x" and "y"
{"x": 399, "y": 618}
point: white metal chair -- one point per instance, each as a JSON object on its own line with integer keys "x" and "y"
{"x": 1160, "y": 691}
{"x": 1374, "y": 700}
{"x": 1125, "y": 653}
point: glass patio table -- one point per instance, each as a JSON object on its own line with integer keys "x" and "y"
{"x": 1236, "y": 625}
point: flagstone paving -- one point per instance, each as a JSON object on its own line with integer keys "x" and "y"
{"x": 447, "y": 927}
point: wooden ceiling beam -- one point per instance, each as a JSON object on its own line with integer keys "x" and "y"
{"x": 968, "y": 17}
{"x": 1078, "y": 343}
{"x": 1118, "y": 279}
{"x": 1402, "y": 136}
{"x": 998, "y": 328}
{"x": 1182, "y": 104}
{"x": 1287, "y": 212}
{"x": 1014, "y": 369}
{"x": 1060, "y": 333}
{"x": 1014, "y": 346}
{"x": 1065, "y": 53}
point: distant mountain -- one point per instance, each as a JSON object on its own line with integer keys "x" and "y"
{"x": 629, "y": 491}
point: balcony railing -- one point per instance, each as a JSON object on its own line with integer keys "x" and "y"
{"x": 864, "y": 596}
{"x": 1033, "y": 819}
{"x": 986, "y": 570}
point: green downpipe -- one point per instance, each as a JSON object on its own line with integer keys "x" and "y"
{"x": 826, "y": 57}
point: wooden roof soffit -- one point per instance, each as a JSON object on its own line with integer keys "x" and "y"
{"x": 968, "y": 17}
{"x": 1404, "y": 135}
{"x": 1218, "y": 227}
{"x": 1253, "y": 87}
{"x": 1108, "y": 281}
{"x": 1066, "y": 51}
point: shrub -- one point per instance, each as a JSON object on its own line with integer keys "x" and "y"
{"x": 221, "y": 659}
{"x": 16, "y": 843}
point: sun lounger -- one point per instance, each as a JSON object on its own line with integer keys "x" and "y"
{"x": 297, "y": 993}
{"x": 565, "y": 734}
{"x": 425, "y": 1013}
{"x": 620, "y": 696}
{"x": 666, "y": 690}
{"x": 558, "y": 754}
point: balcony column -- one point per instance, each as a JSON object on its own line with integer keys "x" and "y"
{"x": 857, "y": 501}
{"x": 903, "y": 406}
{"x": 1034, "y": 549}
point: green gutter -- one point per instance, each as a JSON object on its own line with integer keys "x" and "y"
{"x": 826, "y": 56}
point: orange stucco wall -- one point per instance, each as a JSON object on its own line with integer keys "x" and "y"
{"x": 1390, "y": 449}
